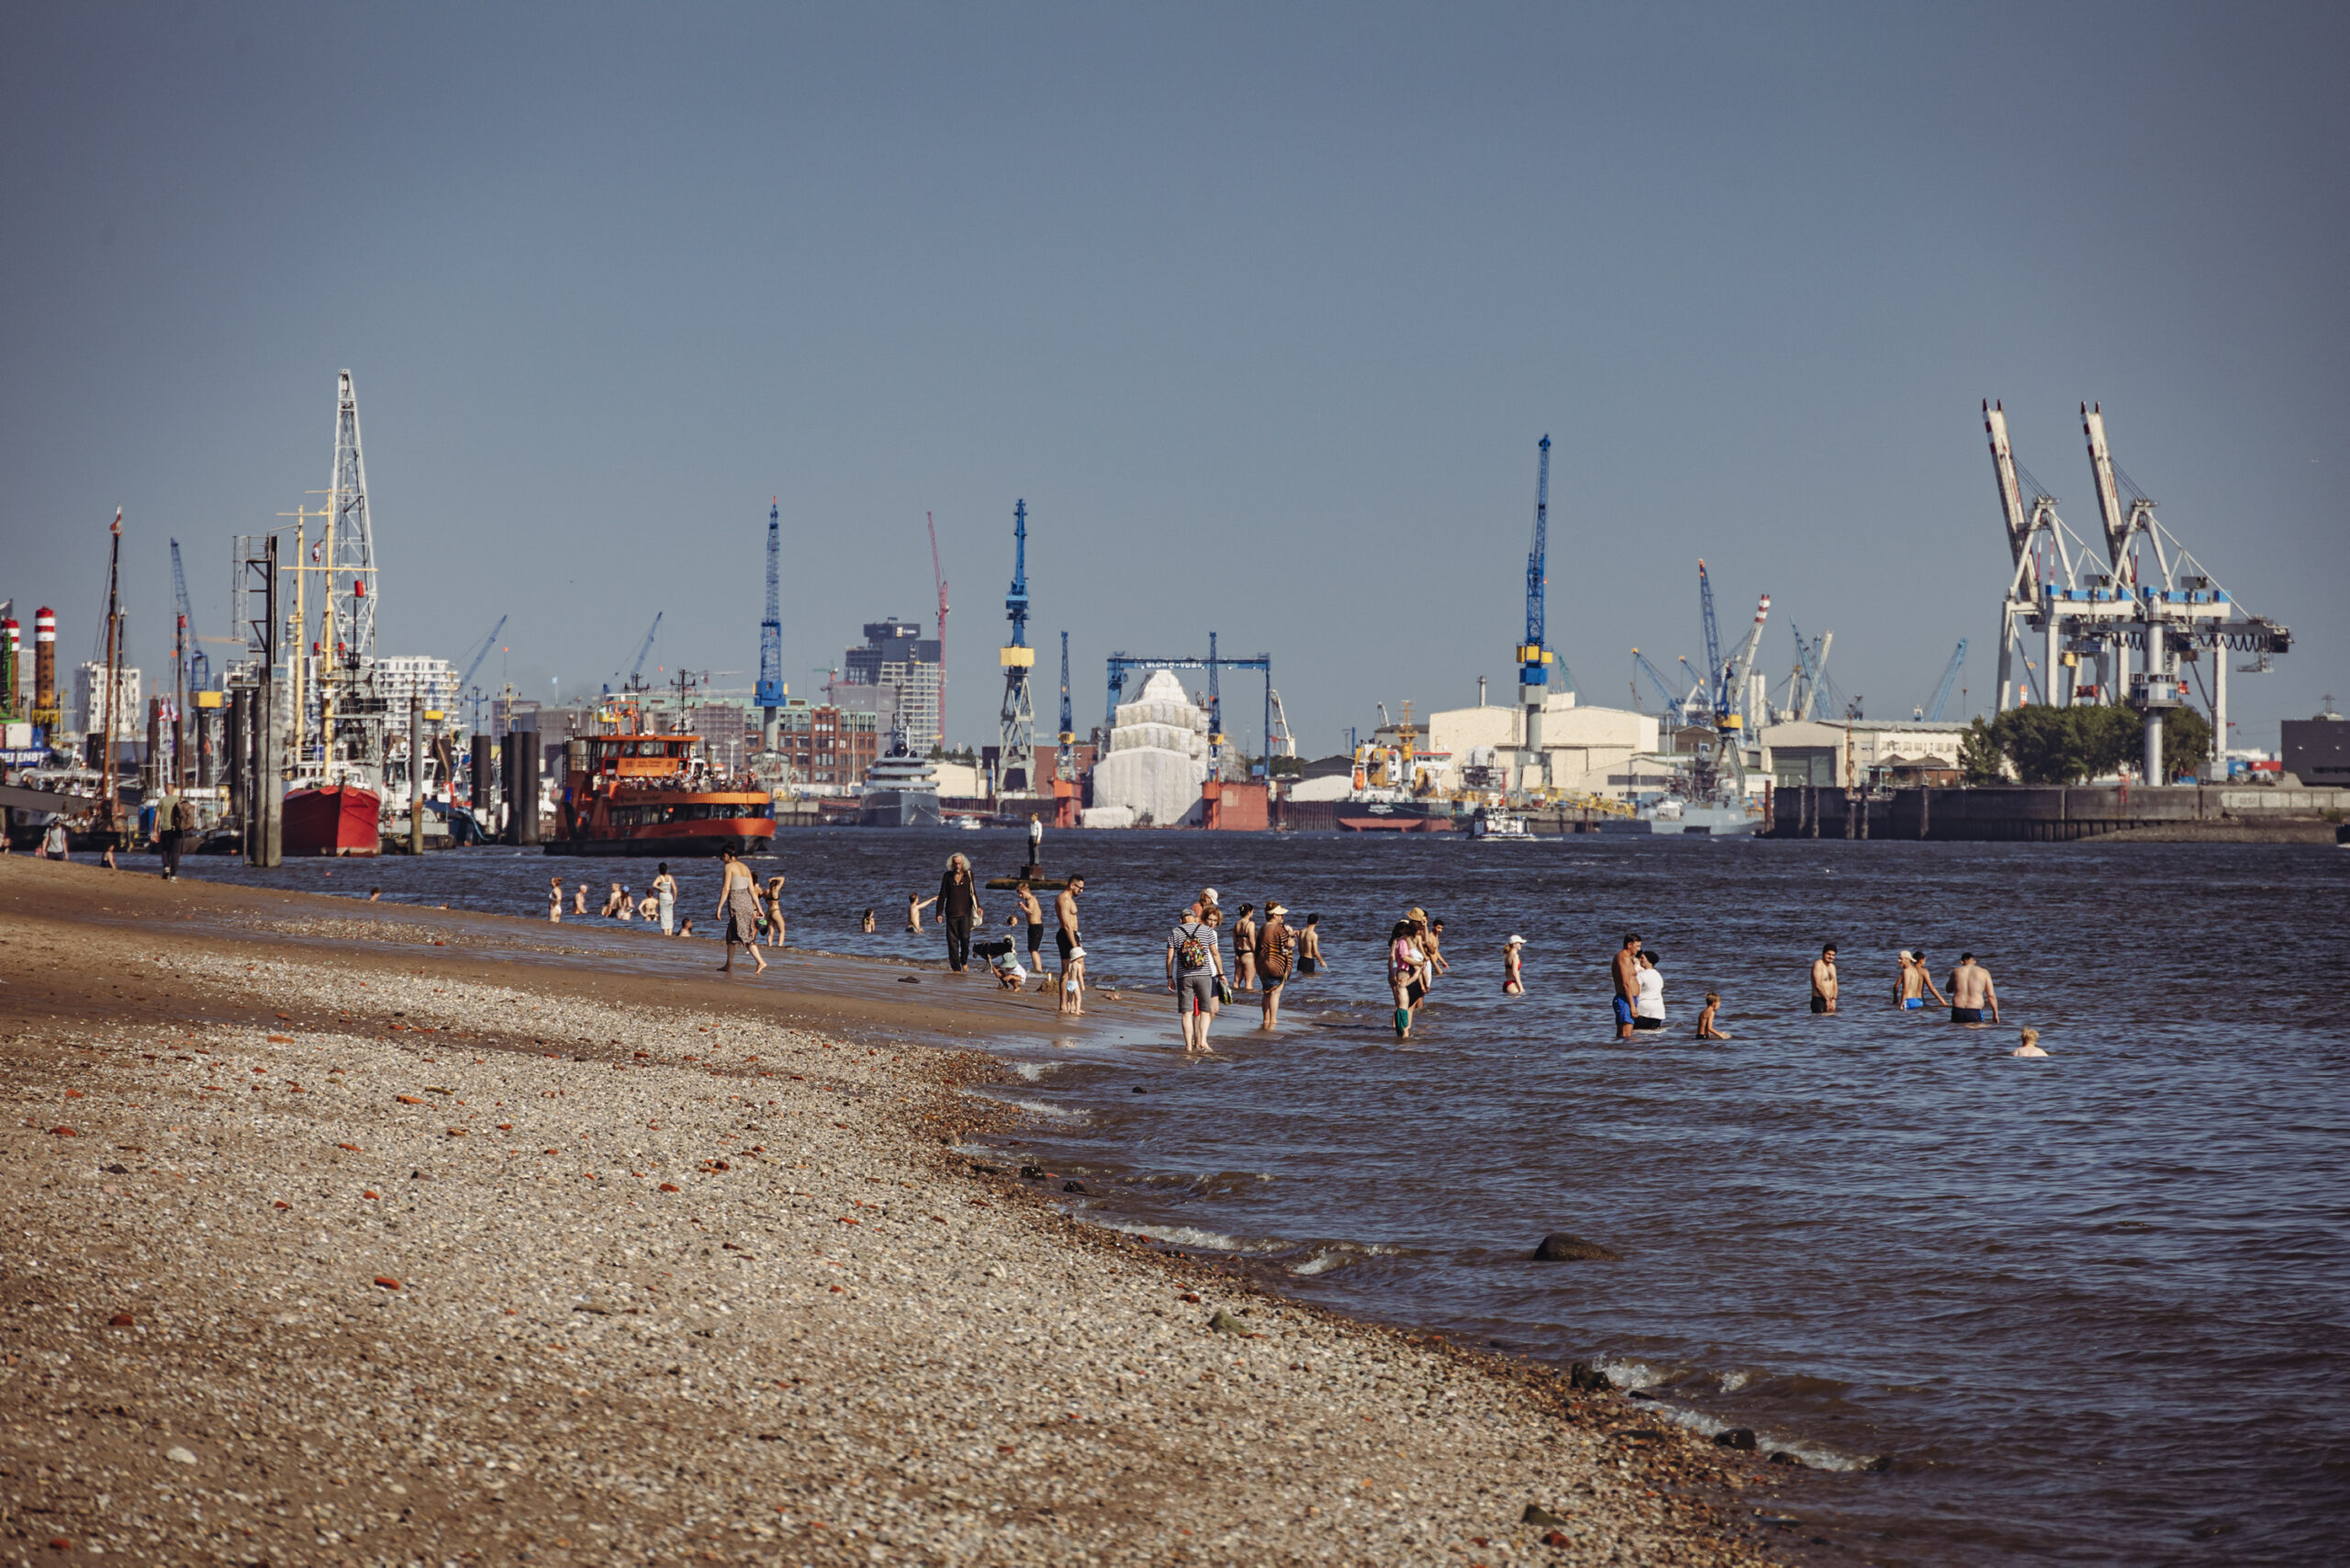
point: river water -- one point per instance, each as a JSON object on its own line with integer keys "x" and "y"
{"x": 2094, "y": 1308}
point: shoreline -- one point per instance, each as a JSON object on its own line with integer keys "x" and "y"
{"x": 658, "y": 1298}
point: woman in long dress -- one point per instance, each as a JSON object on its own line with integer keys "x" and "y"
{"x": 738, "y": 905}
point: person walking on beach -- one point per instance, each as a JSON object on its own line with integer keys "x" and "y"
{"x": 555, "y": 900}
{"x": 958, "y": 906}
{"x": 1823, "y": 980}
{"x": 665, "y": 888}
{"x": 1309, "y": 947}
{"x": 1194, "y": 966}
{"x": 1032, "y": 916}
{"x": 1647, "y": 1007}
{"x": 738, "y": 905}
{"x": 1626, "y": 976}
{"x": 1970, "y": 992}
{"x": 1513, "y": 978}
{"x": 915, "y": 904}
{"x": 52, "y": 843}
{"x": 173, "y": 818}
{"x": 1276, "y": 953}
{"x": 1066, "y": 938}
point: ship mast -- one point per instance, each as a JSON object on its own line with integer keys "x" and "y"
{"x": 113, "y": 677}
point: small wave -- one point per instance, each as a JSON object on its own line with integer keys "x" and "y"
{"x": 1032, "y": 1071}
{"x": 1632, "y": 1375}
{"x": 1055, "y": 1112}
{"x": 1734, "y": 1381}
{"x": 1192, "y": 1235}
{"x": 1330, "y": 1255}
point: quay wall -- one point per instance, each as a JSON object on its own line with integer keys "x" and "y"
{"x": 2062, "y": 813}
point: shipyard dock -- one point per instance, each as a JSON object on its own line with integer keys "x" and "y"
{"x": 2179, "y": 813}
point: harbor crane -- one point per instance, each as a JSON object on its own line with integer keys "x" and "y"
{"x": 1811, "y": 672}
{"x": 1676, "y": 708}
{"x": 1123, "y": 663}
{"x": 1716, "y": 698}
{"x": 199, "y": 668}
{"x": 1016, "y": 727}
{"x": 633, "y": 680}
{"x": 473, "y": 667}
{"x": 1932, "y": 711}
{"x": 1065, "y": 766}
{"x": 938, "y": 575}
{"x": 1534, "y": 657}
{"x": 1279, "y": 740}
{"x": 771, "y": 693}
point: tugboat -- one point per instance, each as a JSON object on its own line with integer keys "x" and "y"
{"x": 636, "y": 792}
{"x": 1387, "y": 798}
{"x": 901, "y": 789}
{"x": 1492, "y": 822}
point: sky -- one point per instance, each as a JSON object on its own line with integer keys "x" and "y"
{"x": 1261, "y": 309}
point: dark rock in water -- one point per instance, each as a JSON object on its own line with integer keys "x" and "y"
{"x": 1639, "y": 1393}
{"x": 1032, "y": 1171}
{"x": 980, "y": 1170}
{"x": 1563, "y": 1249}
{"x": 1739, "y": 1437}
{"x": 1072, "y": 1186}
{"x": 1536, "y": 1514}
{"x": 1140, "y": 1089}
{"x": 908, "y": 979}
{"x": 1882, "y": 1462}
{"x": 1582, "y": 1374}
{"x": 1780, "y": 1456}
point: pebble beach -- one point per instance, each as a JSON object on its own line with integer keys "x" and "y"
{"x": 408, "y": 1251}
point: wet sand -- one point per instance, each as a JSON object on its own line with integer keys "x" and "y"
{"x": 370, "y": 1234}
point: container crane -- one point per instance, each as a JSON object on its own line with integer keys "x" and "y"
{"x": 1932, "y": 711}
{"x": 771, "y": 691}
{"x": 1016, "y": 725}
{"x": 1534, "y": 657}
{"x": 938, "y": 574}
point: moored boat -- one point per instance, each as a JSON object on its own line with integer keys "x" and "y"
{"x": 900, "y": 790}
{"x": 332, "y": 820}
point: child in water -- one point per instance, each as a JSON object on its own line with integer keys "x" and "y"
{"x": 2030, "y": 1046}
{"x": 1706, "y": 1030}
{"x": 866, "y": 926}
{"x": 1513, "y": 982}
{"x": 1072, "y": 1001}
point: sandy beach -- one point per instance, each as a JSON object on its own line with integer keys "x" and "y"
{"x": 364, "y": 1236}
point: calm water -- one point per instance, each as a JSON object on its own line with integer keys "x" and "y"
{"x": 2095, "y": 1307}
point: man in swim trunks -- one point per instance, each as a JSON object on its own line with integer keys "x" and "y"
{"x": 1916, "y": 983}
{"x": 1065, "y": 934}
{"x": 1971, "y": 991}
{"x": 1032, "y": 916}
{"x": 1626, "y": 976}
{"x": 1823, "y": 980}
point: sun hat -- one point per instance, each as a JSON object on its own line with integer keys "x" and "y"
{"x": 1207, "y": 895}
{"x": 1276, "y": 908}
{"x": 1077, "y": 952}
{"x": 1514, "y": 941}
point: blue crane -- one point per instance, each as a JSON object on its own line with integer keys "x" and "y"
{"x": 1806, "y": 693}
{"x": 632, "y": 682}
{"x": 1016, "y": 721}
{"x": 1640, "y": 665}
{"x": 1716, "y": 676}
{"x": 1933, "y": 711}
{"x": 199, "y": 668}
{"x": 770, "y": 693}
{"x": 1067, "y": 762}
{"x": 1533, "y": 659}
{"x": 473, "y": 667}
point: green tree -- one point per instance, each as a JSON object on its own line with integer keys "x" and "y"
{"x": 1980, "y": 754}
{"x": 2045, "y": 743}
{"x": 2186, "y": 741}
{"x": 2109, "y": 737}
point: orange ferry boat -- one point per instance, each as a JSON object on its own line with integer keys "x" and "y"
{"x": 636, "y": 792}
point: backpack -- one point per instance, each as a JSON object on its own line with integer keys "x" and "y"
{"x": 1193, "y": 952}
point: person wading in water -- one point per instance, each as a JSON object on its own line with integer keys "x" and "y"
{"x": 1626, "y": 976}
{"x": 958, "y": 906}
{"x": 738, "y": 905}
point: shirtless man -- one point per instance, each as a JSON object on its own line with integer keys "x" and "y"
{"x": 915, "y": 904}
{"x": 1065, "y": 933}
{"x": 1823, "y": 980}
{"x": 1917, "y": 982}
{"x": 1625, "y": 972}
{"x": 1032, "y": 916}
{"x": 1971, "y": 991}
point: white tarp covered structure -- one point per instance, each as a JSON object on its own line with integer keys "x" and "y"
{"x": 1158, "y": 757}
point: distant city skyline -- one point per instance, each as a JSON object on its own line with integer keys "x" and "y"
{"x": 1262, "y": 312}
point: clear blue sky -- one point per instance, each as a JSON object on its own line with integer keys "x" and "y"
{"x": 1262, "y": 308}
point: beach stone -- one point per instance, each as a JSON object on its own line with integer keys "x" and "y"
{"x": 1561, "y": 1247}
{"x": 1536, "y": 1514}
{"x": 1224, "y": 1323}
{"x": 1780, "y": 1456}
{"x": 1582, "y": 1374}
{"x": 1072, "y": 1186}
{"x": 179, "y": 1456}
{"x": 1739, "y": 1437}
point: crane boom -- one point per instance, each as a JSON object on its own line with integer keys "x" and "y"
{"x": 637, "y": 668}
{"x": 2108, "y": 495}
{"x": 1532, "y": 657}
{"x": 1950, "y": 679}
{"x": 2003, "y": 469}
{"x": 770, "y": 693}
{"x": 1640, "y": 665}
{"x": 474, "y": 666}
{"x": 1067, "y": 762}
{"x": 1747, "y": 649}
{"x": 938, "y": 574}
{"x": 199, "y": 668}
{"x": 1717, "y": 688}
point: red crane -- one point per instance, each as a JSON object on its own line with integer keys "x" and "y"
{"x": 939, "y": 574}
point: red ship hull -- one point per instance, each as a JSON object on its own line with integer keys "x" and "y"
{"x": 335, "y": 819}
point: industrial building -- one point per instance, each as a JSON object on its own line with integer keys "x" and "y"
{"x": 2317, "y": 751}
{"x": 828, "y": 747}
{"x": 1860, "y": 752}
{"x": 419, "y": 676}
{"x": 894, "y": 679}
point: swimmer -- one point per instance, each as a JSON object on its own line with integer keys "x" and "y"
{"x": 866, "y": 925}
{"x": 1971, "y": 991}
{"x": 1513, "y": 978}
{"x": 1916, "y": 984}
{"x": 914, "y": 906}
{"x": 1309, "y": 947}
{"x": 1823, "y": 980}
{"x": 1706, "y": 1030}
{"x": 2030, "y": 1046}
{"x": 1625, "y": 972}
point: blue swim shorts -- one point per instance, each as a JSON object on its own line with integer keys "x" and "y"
{"x": 1913, "y": 1002}
{"x": 1623, "y": 1011}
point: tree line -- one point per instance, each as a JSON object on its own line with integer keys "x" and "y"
{"x": 2043, "y": 745}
